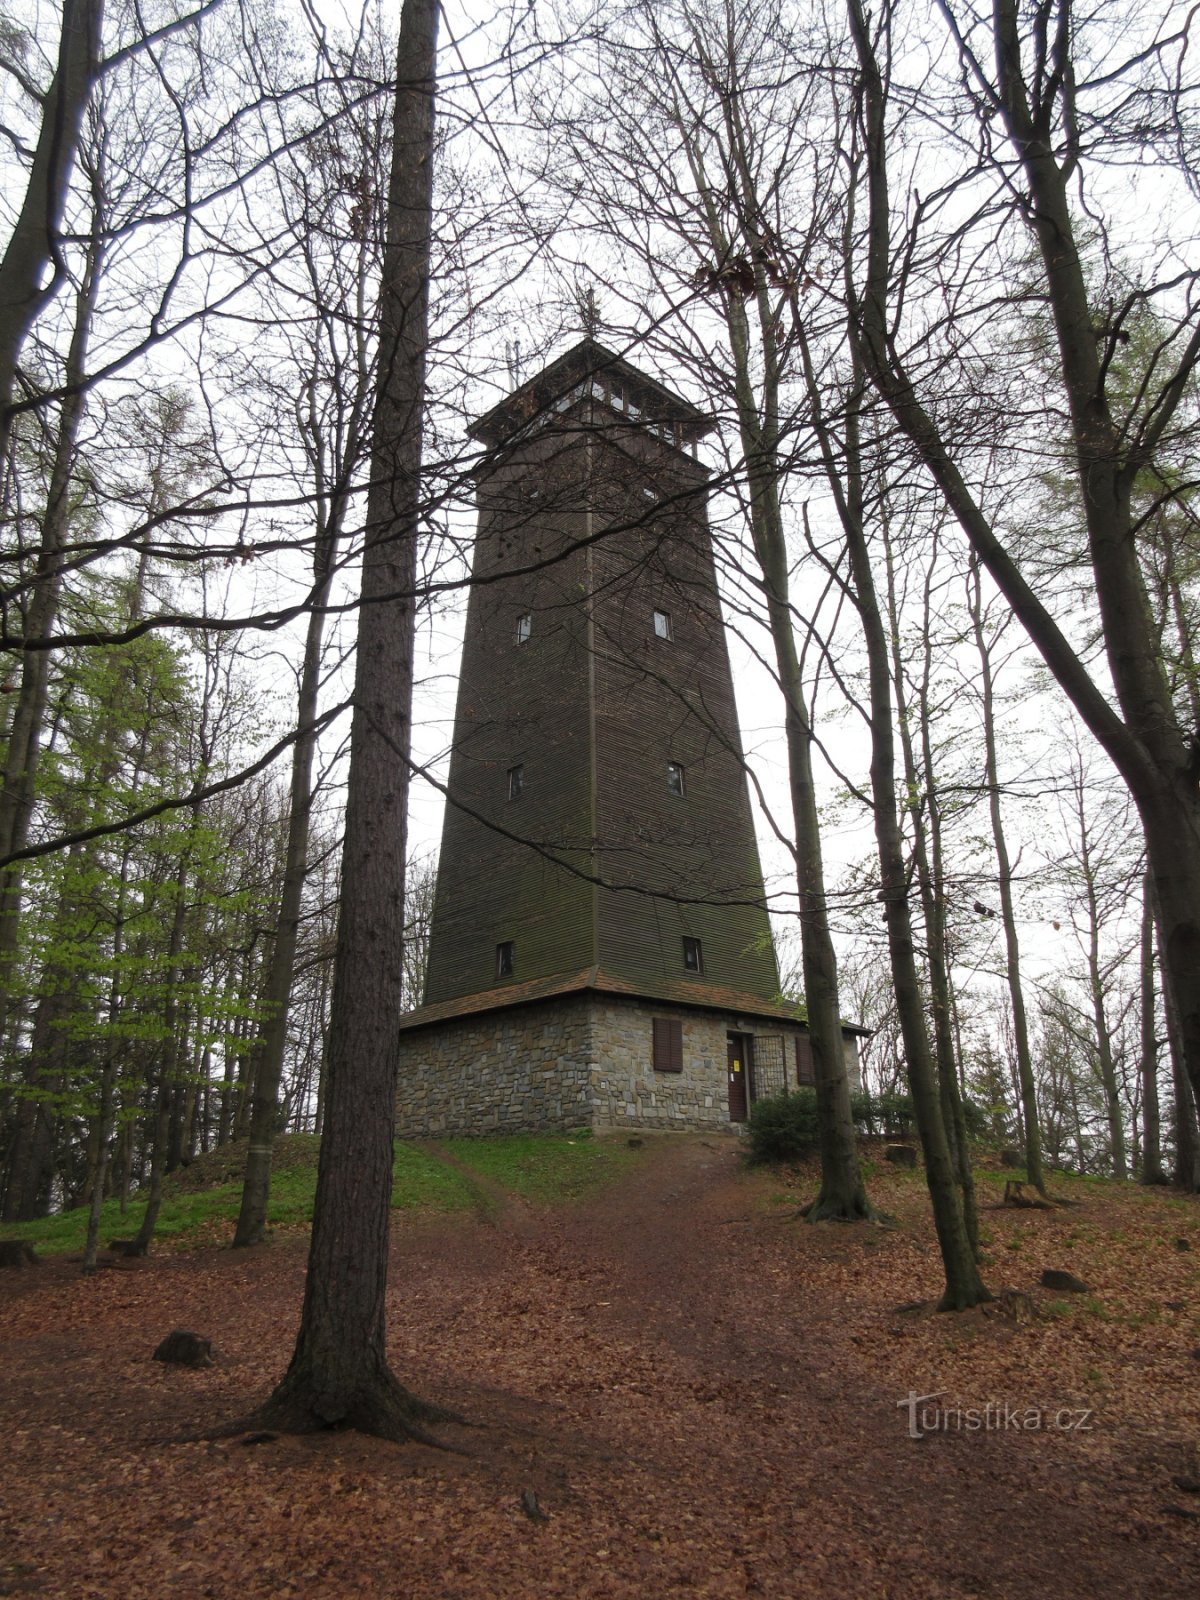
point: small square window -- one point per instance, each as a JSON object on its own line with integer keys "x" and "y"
{"x": 675, "y": 777}
{"x": 504, "y": 959}
{"x": 516, "y": 782}
{"x": 524, "y": 627}
{"x": 693, "y": 955}
{"x": 662, "y": 624}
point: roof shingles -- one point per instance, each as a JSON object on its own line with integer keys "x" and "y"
{"x": 709, "y": 996}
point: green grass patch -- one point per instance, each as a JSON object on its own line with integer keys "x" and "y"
{"x": 205, "y": 1216}
{"x": 201, "y": 1213}
{"x": 201, "y": 1202}
{"x": 546, "y": 1167}
{"x": 420, "y": 1182}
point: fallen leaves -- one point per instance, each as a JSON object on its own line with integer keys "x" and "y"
{"x": 692, "y": 1408}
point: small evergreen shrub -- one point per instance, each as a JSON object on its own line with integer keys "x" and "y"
{"x": 783, "y": 1127}
{"x": 888, "y": 1116}
{"x": 977, "y": 1118}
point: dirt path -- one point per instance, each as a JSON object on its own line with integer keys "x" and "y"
{"x": 700, "y": 1394}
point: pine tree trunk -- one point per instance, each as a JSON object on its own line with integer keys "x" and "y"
{"x": 339, "y": 1373}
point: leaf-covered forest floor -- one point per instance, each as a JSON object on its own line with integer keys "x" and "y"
{"x": 678, "y": 1389}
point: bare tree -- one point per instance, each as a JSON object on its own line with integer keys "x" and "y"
{"x": 1024, "y": 73}
{"x": 987, "y": 639}
{"x": 704, "y": 190}
{"x": 331, "y": 368}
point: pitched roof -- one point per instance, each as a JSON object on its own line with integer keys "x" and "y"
{"x": 558, "y": 381}
{"x": 704, "y": 996}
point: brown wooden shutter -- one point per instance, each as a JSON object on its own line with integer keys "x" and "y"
{"x": 805, "y": 1073}
{"x": 668, "y": 1045}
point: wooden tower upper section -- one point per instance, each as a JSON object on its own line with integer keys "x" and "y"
{"x": 598, "y": 832}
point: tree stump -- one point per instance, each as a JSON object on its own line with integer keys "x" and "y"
{"x": 1011, "y": 1158}
{"x": 900, "y": 1155}
{"x": 17, "y": 1253}
{"x": 1018, "y": 1306}
{"x": 184, "y": 1349}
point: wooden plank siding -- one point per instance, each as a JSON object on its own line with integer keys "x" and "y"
{"x": 589, "y": 524}
{"x": 525, "y": 703}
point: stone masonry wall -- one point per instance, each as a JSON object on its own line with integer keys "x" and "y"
{"x": 628, "y": 1093}
{"x": 512, "y": 1071}
{"x": 577, "y": 1061}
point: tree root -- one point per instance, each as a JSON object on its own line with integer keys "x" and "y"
{"x": 964, "y": 1301}
{"x": 1014, "y": 1195}
{"x": 824, "y": 1209}
{"x": 381, "y": 1408}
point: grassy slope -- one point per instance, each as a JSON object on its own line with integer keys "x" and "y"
{"x": 201, "y": 1203}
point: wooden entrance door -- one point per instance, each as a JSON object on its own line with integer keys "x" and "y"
{"x": 738, "y": 1097}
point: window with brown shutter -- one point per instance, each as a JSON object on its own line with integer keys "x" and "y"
{"x": 805, "y": 1073}
{"x": 668, "y": 1045}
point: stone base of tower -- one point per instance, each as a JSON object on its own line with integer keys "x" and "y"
{"x": 588, "y": 1060}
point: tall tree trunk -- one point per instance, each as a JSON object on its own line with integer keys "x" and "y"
{"x": 339, "y": 1372}
{"x": 159, "y": 1133}
{"x": 99, "y": 1166}
{"x": 842, "y": 1194}
{"x": 964, "y": 1287}
{"x": 18, "y": 781}
{"x": 29, "y": 1160}
{"x": 103, "y": 1121}
{"x": 1151, "y": 1165}
{"x": 925, "y": 823}
{"x": 1030, "y": 1120}
{"x": 31, "y": 269}
{"x": 272, "y": 1040}
{"x": 1186, "y": 1173}
{"x": 172, "y": 1056}
{"x": 1096, "y": 987}
{"x": 30, "y": 1164}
